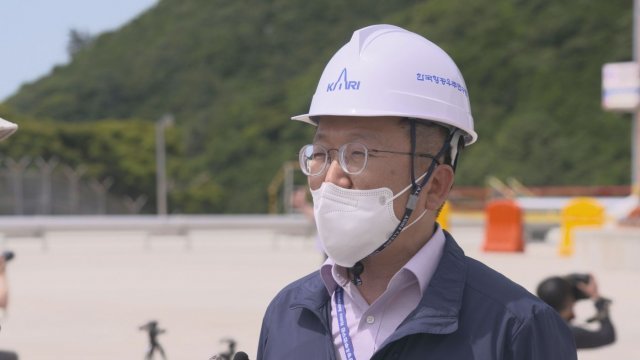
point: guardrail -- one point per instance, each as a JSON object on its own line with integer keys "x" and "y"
{"x": 37, "y": 226}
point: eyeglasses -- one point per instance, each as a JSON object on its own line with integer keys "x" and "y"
{"x": 352, "y": 157}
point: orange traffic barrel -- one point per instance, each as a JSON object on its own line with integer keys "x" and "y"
{"x": 503, "y": 227}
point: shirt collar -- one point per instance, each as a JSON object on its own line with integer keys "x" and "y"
{"x": 422, "y": 265}
{"x": 328, "y": 270}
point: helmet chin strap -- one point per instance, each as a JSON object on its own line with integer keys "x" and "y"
{"x": 358, "y": 268}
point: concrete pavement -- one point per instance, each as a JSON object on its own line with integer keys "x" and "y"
{"x": 84, "y": 295}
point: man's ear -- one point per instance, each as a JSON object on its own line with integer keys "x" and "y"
{"x": 438, "y": 188}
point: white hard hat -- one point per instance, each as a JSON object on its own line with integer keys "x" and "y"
{"x": 388, "y": 71}
{"x": 6, "y": 128}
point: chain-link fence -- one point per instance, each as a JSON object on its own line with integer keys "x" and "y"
{"x": 40, "y": 187}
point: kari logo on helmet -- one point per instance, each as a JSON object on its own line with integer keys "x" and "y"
{"x": 343, "y": 83}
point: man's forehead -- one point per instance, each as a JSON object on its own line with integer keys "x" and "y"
{"x": 365, "y": 127}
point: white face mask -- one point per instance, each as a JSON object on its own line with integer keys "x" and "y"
{"x": 352, "y": 224}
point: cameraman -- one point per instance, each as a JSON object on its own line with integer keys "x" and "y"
{"x": 561, "y": 293}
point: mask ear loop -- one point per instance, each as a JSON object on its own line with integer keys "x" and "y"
{"x": 358, "y": 268}
{"x": 412, "y": 134}
{"x": 415, "y": 192}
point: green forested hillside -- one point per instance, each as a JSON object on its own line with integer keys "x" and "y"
{"x": 232, "y": 72}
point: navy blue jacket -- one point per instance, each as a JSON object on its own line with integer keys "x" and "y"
{"x": 468, "y": 311}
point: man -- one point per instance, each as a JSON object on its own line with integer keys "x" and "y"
{"x": 561, "y": 293}
{"x": 392, "y": 114}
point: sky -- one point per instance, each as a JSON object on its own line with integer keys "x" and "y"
{"x": 34, "y": 33}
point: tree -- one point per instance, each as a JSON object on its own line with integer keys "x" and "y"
{"x": 78, "y": 41}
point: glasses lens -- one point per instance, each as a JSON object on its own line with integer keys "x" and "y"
{"x": 313, "y": 159}
{"x": 353, "y": 157}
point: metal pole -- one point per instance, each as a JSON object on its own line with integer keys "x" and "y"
{"x": 161, "y": 168}
{"x": 288, "y": 187}
{"x": 17, "y": 170}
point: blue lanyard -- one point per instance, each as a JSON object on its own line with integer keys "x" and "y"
{"x": 342, "y": 324}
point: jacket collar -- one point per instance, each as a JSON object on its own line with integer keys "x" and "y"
{"x": 313, "y": 296}
{"x": 439, "y": 308}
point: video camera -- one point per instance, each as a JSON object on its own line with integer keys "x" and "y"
{"x": 576, "y": 278}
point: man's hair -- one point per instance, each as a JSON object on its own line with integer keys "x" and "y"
{"x": 431, "y": 133}
{"x": 555, "y": 291}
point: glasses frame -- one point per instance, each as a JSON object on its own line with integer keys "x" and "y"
{"x": 342, "y": 161}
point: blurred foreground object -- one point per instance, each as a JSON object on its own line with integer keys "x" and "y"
{"x": 8, "y": 255}
{"x": 4, "y": 284}
{"x": 7, "y": 128}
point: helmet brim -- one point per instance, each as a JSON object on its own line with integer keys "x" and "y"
{"x": 470, "y": 136}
